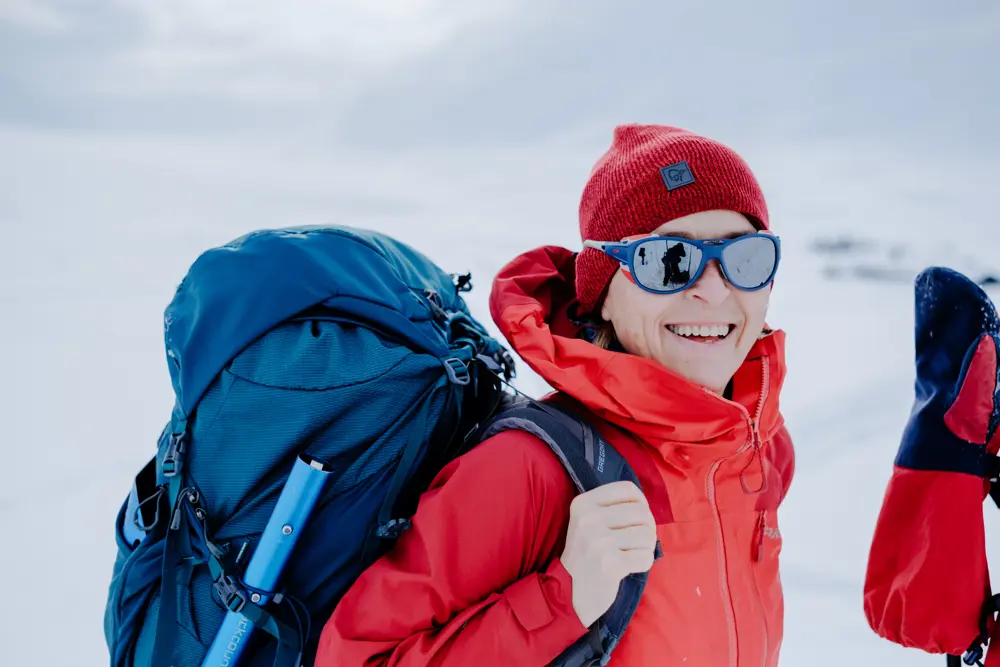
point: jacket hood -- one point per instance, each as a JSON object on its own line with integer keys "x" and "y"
{"x": 533, "y": 302}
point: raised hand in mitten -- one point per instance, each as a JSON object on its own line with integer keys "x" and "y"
{"x": 927, "y": 576}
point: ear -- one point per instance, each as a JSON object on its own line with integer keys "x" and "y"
{"x": 605, "y": 298}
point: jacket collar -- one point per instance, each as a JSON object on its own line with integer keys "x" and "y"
{"x": 533, "y": 304}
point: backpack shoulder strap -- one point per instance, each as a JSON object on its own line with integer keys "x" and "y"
{"x": 590, "y": 461}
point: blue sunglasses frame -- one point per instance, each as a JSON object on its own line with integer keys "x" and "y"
{"x": 624, "y": 252}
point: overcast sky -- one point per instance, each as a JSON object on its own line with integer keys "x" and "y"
{"x": 460, "y": 82}
{"x": 418, "y": 73}
{"x": 136, "y": 133}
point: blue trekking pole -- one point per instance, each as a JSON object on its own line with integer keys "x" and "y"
{"x": 295, "y": 504}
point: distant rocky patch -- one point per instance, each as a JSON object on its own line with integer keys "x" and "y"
{"x": 849, "y": 257}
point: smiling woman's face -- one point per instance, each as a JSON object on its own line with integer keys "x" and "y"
{"x": 702, "y": 333}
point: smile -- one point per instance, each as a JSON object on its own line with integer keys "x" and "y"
{"x": 702, "y": 333}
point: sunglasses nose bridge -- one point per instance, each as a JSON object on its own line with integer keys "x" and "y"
{"x": 711, "y": 286}
{"x": 712, "y": 259}
{"x": 712, "y": 269}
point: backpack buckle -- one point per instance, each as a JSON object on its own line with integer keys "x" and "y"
{"x": 463, "y": 282}
{"x": 233, "y": 597}
{"x": 508, "y": 365}
{"x": 393, "y": 528}
{"x": 172, "y": 456}
{"x": 458, "y": 371}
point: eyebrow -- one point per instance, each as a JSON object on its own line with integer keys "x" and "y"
{"x": 692, "y": 237}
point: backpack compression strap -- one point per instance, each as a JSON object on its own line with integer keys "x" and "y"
{"x": 591, "y": 462}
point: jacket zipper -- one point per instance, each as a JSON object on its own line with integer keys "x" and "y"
{"x": 754, "y": 442}
{"x": 762, "y": 521}
{"x": 723, "y": 570}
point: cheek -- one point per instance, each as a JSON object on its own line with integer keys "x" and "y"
{"x": 629, "y": 327}
{"x": 635, "y": 313}
{"x": 754, "y": 306}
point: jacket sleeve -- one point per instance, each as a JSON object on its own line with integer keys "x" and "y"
{"x": 474, "y": 581}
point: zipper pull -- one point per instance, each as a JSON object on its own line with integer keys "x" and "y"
{"x": 758, "y": 543}
{"x": 758, "y": 455}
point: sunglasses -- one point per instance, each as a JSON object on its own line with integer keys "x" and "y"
{"x": 668, "y": 264}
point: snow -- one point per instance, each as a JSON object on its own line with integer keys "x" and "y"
{"x": 102, "y": 215}
{"x": 93, "y": 265}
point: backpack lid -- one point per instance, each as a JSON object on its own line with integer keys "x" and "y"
{"x": 235, "y": 293}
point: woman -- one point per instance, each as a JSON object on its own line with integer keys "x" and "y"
{"x": 671, "y": 358}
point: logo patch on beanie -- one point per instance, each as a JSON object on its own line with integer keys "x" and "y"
{"x": 677, "y": 175}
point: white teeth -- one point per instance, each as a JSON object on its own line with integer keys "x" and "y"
{"x": 718, "y": 331}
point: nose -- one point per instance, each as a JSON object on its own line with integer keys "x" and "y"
{"x": 711, "y": 286}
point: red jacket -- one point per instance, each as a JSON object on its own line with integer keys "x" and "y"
{"x": 477, "y": 580}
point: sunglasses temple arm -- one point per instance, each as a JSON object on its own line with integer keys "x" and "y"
{"x": 605, "y": 248}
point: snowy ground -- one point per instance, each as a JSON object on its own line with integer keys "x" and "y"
{"x": 92, "y": 267}
{"x": 134, "y": 135}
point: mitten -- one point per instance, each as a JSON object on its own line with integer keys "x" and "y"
{"x": 927, "y": 578}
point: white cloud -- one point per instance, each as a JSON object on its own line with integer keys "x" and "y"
{"x": 240, "y": 45}
{"x": 34, "y": 14}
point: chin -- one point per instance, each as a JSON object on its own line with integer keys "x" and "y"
{"x": 713, "y": 385}
{"x": 699, "y": 377}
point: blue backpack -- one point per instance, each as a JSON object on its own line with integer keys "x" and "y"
{"x": 343, "y": 346}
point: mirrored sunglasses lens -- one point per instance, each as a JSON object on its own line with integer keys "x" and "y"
{"x": 665, "y": 265}
{"x": 750, "y": 261}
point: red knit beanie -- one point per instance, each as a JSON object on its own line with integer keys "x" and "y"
{"x": 653, "y": 174}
